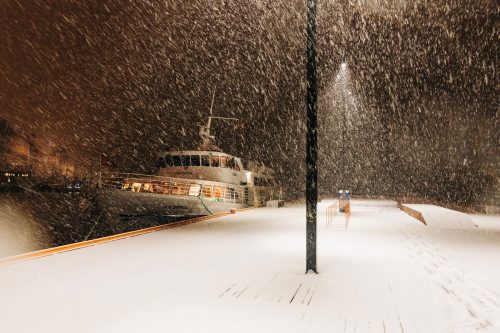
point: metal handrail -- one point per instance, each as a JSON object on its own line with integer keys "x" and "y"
{"x": 175, "y": 186}
{"x": 151, "y": 178}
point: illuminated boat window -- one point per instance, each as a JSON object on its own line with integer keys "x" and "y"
{"x": 166, "y": 188}
{"x": 136, "y": 187}
{"x": 207, "y": 191}
{"x": 223, "y": 162}
{"x": 218, "y": 191}
{"x": 194, "y": 190}
{"x": 157, "y": 187}
{"x": 214, "y": 161}
{"x": 180, "y": 189}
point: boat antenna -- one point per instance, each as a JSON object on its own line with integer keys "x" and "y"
{"x": 212, "y": 105}
{"x": 206, "y": 137}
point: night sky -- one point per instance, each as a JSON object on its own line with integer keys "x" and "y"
{"x": 128, "y": 78}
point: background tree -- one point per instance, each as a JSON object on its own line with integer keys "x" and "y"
{"x": 6, "y": 133}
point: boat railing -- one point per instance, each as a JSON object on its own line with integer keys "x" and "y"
{"x": 208, "y": 190}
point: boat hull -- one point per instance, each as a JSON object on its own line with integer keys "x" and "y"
{"x": 127, "y": 203}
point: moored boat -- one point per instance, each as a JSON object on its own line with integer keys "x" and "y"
{"x": 203, "y": 181}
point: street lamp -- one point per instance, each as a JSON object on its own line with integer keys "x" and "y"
{"x": 341, "y": 82}
{"x": 312, "y": 141}
{"x": 343, "y": 69}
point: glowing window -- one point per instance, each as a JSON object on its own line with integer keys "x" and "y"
{"x": 214, "y": 161}
{"x": 223, "y": 162}
{"x": 207, "y": 191}
{"x": 218, "y": 191}
{"x": 194, "y": 190}
{"x": 180, "y": 189}
{"x": 136, "y": 187}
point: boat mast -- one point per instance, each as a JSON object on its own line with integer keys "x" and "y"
{"x": 211, "y": 113}
{"x": 205, "y": 135}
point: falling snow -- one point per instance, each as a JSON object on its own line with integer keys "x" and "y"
{"x": 408, "y": 112}
{"x": 127, "y": 79}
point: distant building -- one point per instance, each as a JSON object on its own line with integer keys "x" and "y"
{"x": 13, "y": 177}
{"x": 24, "y": 157}
{"x": 16, "y": 162}
{"x": 20, "y": 153}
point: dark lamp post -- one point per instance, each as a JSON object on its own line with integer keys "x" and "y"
{"x": 312, "y": 141}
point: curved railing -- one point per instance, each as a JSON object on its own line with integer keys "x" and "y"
{"x": 208, "y": 190}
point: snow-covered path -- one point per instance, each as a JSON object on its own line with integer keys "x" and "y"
{"x": 380, "y": 271}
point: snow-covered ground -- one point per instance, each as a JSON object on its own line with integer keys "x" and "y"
{"x": 380, "y": 271}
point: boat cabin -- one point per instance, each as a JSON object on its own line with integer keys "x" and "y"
{"x": 203, "y": 165}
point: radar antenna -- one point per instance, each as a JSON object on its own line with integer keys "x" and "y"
{"x": 207, "y": 140}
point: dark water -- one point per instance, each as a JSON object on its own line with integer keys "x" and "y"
{"x": 33, "y": 220}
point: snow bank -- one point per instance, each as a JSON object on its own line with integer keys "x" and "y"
{"x": 444, "y": 218}
{"x": 364, "y": 202}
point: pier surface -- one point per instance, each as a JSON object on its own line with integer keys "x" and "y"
{"x": 380, "y": 270}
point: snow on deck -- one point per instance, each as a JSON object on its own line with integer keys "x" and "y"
{"x": 380, "y": 271}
